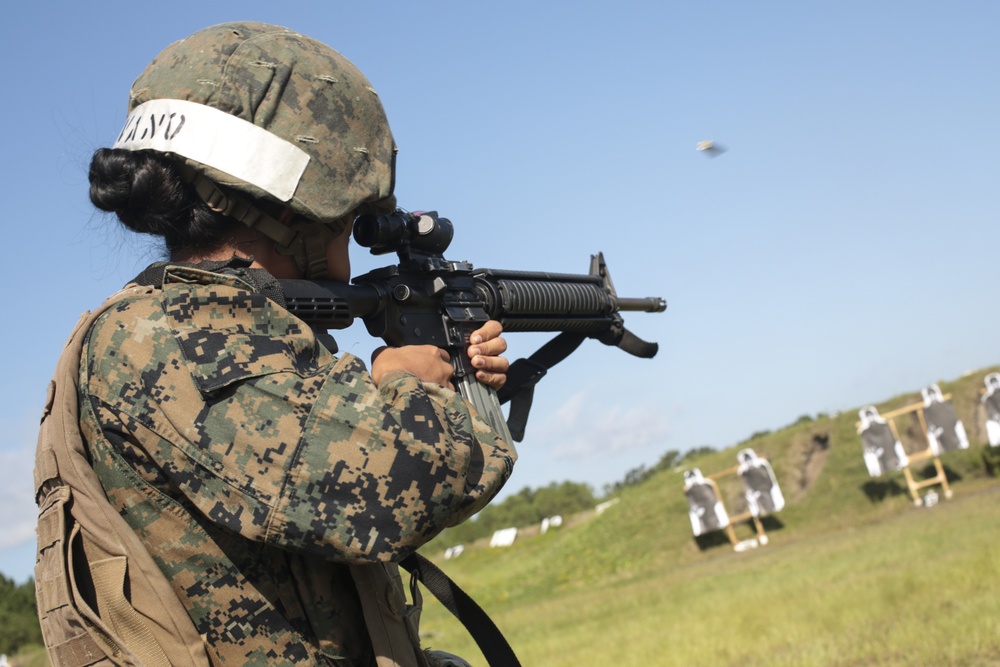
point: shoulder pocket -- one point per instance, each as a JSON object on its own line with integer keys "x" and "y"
{"x": 229, "y": 335}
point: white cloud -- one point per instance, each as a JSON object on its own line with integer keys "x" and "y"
{"x": 583, "y": 429}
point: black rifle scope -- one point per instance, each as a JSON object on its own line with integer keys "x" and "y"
{"x": 423, "y": 232}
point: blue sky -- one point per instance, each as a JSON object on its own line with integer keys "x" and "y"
{"x": 842, "y": 249}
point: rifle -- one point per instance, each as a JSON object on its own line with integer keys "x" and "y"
{"x": 426, "y": 299}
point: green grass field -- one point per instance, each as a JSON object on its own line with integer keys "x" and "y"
{"x": 854, "y": 573}
{"x": 919, "y": 588}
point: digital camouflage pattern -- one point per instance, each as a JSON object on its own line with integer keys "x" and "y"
{"x": 256, "y": 465}
{"x": 296, "y": 88}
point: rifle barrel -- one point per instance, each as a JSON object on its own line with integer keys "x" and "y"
{"x": 650, "y": 304}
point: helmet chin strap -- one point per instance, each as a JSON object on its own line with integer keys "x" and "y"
{"x": 305, "y": 241}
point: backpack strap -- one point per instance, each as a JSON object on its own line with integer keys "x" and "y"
{"x": 392, "y": 626}
{"x": 119, "y": 609}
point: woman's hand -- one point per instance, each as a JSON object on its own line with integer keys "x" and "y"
{"x": 485, "y": 347}
{"x": 432, "y": 364}
{"x": 427, "y": 362}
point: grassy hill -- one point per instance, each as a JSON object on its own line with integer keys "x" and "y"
{"x": 854, "y": 573}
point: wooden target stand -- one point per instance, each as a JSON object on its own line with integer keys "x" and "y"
{"x": 738, "y": 545}
{"x": 913, "y": 485}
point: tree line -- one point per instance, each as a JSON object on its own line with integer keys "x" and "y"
{"x": 670, "y": 460}
{"x": 529, "y": 506}
{"x": 18, "y": 616}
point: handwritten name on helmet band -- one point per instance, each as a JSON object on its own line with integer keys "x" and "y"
{"x": 218, "y": 140}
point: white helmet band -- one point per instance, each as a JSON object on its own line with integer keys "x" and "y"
{"x": 216, "y": 139}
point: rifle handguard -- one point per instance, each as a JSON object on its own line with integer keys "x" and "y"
{"x": 426, "y": 299}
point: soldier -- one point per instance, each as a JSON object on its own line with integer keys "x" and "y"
{"x": 272, "y": 482}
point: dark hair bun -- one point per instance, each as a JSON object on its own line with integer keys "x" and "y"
{"x": 148, "y": 195}
{"x": 142, "y": 189}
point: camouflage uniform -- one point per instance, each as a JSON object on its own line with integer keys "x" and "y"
{"x": 257, "y": 466}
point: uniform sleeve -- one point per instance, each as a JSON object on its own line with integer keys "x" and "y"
{"x": 228, "y": 404}
{"x": 407, "y": 460}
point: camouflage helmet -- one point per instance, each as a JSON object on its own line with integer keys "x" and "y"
{"x": 330, "y": 149}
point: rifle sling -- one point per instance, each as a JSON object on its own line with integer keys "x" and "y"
{"x": 484, "y": 631}
{"x": 524, "y": 374}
